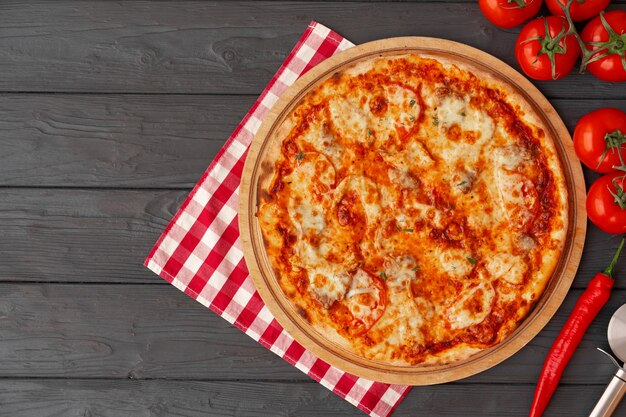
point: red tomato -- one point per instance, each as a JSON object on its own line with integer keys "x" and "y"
{"x": 509, "y": 13}
{"x": 600, "y": 137}
{"x": 606, "y": 203}
{"x": 536, "y": 54}
{"x": 579, "y": 10}
{"x": 612, "y": 66}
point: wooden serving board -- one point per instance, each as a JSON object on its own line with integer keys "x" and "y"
{"x": 281, "y": 307}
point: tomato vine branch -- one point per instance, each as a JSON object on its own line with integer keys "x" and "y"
{"x": 616, "y": 44}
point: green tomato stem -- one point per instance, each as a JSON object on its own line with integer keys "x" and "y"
{"x": 615, "y": 45}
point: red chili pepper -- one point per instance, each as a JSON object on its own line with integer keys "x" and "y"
{"x": 587, "y": 307}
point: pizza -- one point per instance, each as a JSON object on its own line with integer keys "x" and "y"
{"x": 413, "y": 209}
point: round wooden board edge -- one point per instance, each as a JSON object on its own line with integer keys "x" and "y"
{"x": 538, "y": 317}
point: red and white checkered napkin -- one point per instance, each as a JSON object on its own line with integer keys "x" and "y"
{"x": 200, "y": 252}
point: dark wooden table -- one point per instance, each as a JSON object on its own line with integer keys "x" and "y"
{"x": 109, "y": 113}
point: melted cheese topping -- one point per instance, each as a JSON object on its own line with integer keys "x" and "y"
{"x": 415, "y": 212}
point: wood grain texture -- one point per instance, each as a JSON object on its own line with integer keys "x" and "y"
{"x": 153, "y": 331}
{"x": 82, "y": 236}
{"x": 72, "y": 235}
{"x": 106, "y": 331}
{"x": 218, "y": 47}
{"x": 52, "y": 398}
{"x": 113, "y": 141}
{"x": 135, "y": 140}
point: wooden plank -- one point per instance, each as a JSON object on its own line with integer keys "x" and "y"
{"x": 67, "y": 235}
{"x": 133, "y": 140}
{"x": 113, "y": 141}
{"x": 146, "y": 332}
{"x": 48, "y": 398}
{"x": 82, "y": 236}
{"x": 218, "y": 47}
{"x": 124, "y": 332}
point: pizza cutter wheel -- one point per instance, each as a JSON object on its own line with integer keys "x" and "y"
{"x": 617, "y": 387}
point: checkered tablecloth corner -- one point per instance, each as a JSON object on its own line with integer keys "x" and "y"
{"x": 200, "y": 251}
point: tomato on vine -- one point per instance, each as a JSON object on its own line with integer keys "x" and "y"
{"x": 544, "y": 50}
{"x": 600, "y": 139}
{"x": 606, "y": 37}
{"x": 579, "y": 10}
{"x": 509, "y": 13}
{"x": 606, "y": 203}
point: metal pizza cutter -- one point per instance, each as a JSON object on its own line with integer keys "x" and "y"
{"x": 617, "y": 387}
